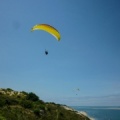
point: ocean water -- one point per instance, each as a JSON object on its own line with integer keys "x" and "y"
{"x": 100, "y": 113}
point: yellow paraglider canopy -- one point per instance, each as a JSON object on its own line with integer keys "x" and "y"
{"x": 48, "y": 29}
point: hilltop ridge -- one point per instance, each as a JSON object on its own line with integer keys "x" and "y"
{"x": 15, "y": 105}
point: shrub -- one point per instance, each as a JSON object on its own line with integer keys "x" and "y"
{"x": 42, "y": 107}
{"x": 26, "y": 104}
{"x": 25, "y": 93}
{"x": 11, "y": 101}
{"x": 37, "y": 112}
{"x": 2, "y": 102}
{"x": 61, "y": 114}
{"x": 9, "y": 89}
{"x": 2, "y": 118}
{"x": 33, "y": 97}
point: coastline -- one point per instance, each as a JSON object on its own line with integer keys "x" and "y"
{"x": 82, "y": 113}
{"x": 85, "y": 114}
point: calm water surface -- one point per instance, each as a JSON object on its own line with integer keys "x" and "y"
{"x": 100, "y": 113}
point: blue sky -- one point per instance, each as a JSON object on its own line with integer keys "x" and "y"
{"x": 87, "y": 57}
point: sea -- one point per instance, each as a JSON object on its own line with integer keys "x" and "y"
{"x": 100, "y": 112}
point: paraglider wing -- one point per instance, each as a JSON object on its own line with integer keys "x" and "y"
{"x": 48, "y": 29}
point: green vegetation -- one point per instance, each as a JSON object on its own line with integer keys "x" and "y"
{"x": 27, "y": 106}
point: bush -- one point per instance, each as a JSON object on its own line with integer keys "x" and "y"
{"x": 61, "y": 114}
{"x": 2, "y": 102}
{"x": 25, "y": 93}
{"x": 2, "y": 118}
{"x": 9, "y": 89}
{"x": 37, "y": 112}
{"x": 11, "y": 101}
{"x": 42, "y": 107}
{"x": 26, "y": 104}
{"x": 33, "y": 97}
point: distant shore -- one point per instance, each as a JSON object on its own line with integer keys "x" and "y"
{"x": 82, "y": 113}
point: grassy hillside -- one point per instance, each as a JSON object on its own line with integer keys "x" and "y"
{"x": 27, "y": 106}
